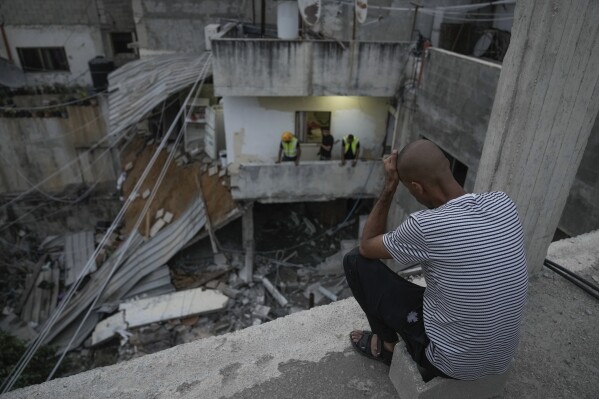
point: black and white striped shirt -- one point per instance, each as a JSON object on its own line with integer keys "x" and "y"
{"x": 472, "y": 254}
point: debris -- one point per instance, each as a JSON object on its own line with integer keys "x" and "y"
{"x": 310, "y": 228}
{"x": 159, "y": 224}
{"x": 145, "y": 194}
{"x": 261, "y": 311}
{"x": 108, "y": 327}
{"x": 222, "y": 173}
{"x": 168, "y": 217}
{"x": 159, "y": 213}
{"x": 212, "y": 284}
{"x": 274, "y": 292}
{"x": 327, "y": 293}
{"x": 121, "y": 180}
{"x": 176, "y": 305}
{"x": 228, "y": 291}
{"x": 212, "y": 170}
{"x": 129, "y": 166}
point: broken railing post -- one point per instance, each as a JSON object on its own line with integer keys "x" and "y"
{"x": 247, "y": 226}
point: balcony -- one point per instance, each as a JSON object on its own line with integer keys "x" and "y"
{"x": 273, "y": 67}
{"x": 309, "y": 181}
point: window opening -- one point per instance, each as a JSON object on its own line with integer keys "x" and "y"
{"x": 43, "y": 59}
{"x": 120, "y": 40}
{"x": 310, "y": 124}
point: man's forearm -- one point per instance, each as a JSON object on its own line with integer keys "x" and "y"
{"x": 376, "y": 224}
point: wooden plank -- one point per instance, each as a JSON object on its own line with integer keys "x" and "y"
{"x": 172, "y": 306}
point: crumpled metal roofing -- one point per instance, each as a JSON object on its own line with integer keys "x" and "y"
{"x": 141, "y": 258}
{"x": 139, "y": 86}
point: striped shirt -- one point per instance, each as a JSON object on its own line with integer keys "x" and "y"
{"x": 472, "y": 256}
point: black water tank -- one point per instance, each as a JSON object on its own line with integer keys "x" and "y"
{"x": 100, "y": 67}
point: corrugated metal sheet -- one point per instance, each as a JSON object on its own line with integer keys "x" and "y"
{"x": 78, "y": 249}
{"x": 141, "y": 259}
{"x": 155, "y": 283}
{"x": 139, "y": 86}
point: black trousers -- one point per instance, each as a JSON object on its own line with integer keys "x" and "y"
{"x": 392, "y": 305}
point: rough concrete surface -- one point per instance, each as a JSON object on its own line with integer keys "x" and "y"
{"x": 308, "y": 355}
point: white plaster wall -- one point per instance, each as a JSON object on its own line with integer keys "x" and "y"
{"x": 253, "y": 125}
{"x": 81, "y": 43}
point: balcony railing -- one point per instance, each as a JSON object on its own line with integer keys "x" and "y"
{"x": 309, "y": 181}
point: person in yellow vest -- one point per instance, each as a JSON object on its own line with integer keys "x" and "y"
{"x": 289, "y": 149}
{"x": 350, "y": 149}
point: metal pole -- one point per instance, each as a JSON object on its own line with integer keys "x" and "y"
{"x": 416, "y": 7}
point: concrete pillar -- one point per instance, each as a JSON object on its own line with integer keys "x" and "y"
{"x": 546, "y": 101}
{"x": 247, "y": 235}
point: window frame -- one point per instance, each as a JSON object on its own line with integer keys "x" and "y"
{"x": 45, "y": 59}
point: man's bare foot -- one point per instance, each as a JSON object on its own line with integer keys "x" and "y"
{"x": 356, "y": 335}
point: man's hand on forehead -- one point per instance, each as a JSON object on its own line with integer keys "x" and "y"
{"x": 391, "y": 174}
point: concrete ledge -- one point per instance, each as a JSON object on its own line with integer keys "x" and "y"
{"x": 406, "y": 378}
{"x": 309, "y": 181}
{"x": 225, "y": 365}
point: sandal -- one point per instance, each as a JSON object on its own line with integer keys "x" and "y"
{"x": 363, "y": 348}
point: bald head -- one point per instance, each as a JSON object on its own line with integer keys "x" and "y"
{"x": 422, "y": 161}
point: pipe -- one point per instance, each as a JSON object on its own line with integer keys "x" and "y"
{"x": 572, "y": 279}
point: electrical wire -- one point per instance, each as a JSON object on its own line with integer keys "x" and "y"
{"x": 35, "y": 344}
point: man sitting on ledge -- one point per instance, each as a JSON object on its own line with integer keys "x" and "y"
{"x": 466, "y": 323}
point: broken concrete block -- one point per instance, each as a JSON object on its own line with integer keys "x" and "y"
{"x": 222, "y": 173}
{"x": 108, "y": 327}
{"x": 213, "y": 170}
{"x": 145, "y": 194}
{"x": 168, "y": 217}
{"x": 160, "y": 223}
{"x": 406, "y": 378}
{"x": 261, "y": 311}
{"x": 228, "y": 291}
{"x": 173, "y": 306}
{"x": 182, "y": 160}
{"x": 212, "y": 284}
{"x": 159, "y": 213}
{"x": 220, "y": 259}
{"x": 129, "y": 166}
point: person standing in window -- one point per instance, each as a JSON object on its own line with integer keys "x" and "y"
{"x": 350, "y": 149}
{"x": 289, "y": 150}
{"x": 326, "y": 146}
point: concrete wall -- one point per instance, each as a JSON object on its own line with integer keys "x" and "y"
{"x": 34, "y": 148}
{"x": 81, "y": 44}
{"x": 253, "y": 125}
{"x": 310, "y": 181}
{"x": 49, "y": 12}
{"x": 178, "y": 25}
{"x": 264, "y": 67}
{"x": 453, "y": 107}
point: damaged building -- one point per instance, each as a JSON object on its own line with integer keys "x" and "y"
{"x": 141, "y": 203}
